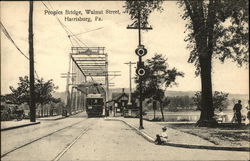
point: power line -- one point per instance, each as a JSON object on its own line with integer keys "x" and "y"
{"x": 66, "y": 28}
{"x": 9, "y": 37}
{"x": 69, "y": 33}
{"x": 6, "y": 33}
{"x": 36, "y": 74}
{"x": 87, "y": 31}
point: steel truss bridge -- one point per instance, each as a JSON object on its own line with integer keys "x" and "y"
{"x": 88, "y": 73}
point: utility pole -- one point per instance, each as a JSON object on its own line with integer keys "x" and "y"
{"x": 107, "y": 79}
{"x": 130, "y": 88}
{"x": 31, "y": 58}
{"x": 68, "y": 104}
{"x": 67, "y": 75}
{"x": 107, "y": 85}
{"x": 140, "y": 80}
{"x": 140, "y": 51}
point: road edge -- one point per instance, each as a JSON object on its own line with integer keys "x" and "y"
{"x": 19, "y": 126}
{"x": 151, "y": 140}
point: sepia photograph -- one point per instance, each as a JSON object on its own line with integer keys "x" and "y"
{"x": 128, "y": 80}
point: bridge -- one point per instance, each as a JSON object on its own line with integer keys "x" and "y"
{"x": 87, "y": 73}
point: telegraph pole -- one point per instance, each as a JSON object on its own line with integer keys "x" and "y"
{"x": 140, "y": 51}
{"x": 107, "y": 85}
{"x": 107, "y": 79}
{"x": 130, "y": 88}
{"x": 31, "y": 58}
{"x": 140, "y": 80}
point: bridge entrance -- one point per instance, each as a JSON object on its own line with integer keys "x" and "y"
{"x": 87, "y": 73}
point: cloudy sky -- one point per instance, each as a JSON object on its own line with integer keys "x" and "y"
{"x": 52, "y": 46}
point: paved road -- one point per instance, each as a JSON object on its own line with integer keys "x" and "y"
{"x": 96, "y": 139}
{"x": 12, "y": 139}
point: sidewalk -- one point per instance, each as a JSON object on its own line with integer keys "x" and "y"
{"x": 13, "y": 124}
{"x": 176, "y": 137}
{"x": 7, "y": 125}
{"x": 58, "y": 117}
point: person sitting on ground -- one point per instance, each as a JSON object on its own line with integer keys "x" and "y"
{"x": 162, "y": 139}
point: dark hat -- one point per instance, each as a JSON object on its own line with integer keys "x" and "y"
{"x": 164, "y": 128}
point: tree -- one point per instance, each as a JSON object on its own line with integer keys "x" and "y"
{"x": 159, "y": 77}
{"x": 20, "y": 94}
{"x": 217, "y": 29}
{"x": 57, "y": 105}
{"x": 154, "y": 104}
{"x": 220, "y": 100}
{"x": 197, "y": 100}
{"x": 145, "y": 7}
{"x": 43, "y": 91}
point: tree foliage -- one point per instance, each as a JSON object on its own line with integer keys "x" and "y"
{"x": 222, "y": 25}
{"x": 216, "y": 29}
{"x": 43, "y": 91}
{"x": 159, "y": 77}
{"x": 145, "y": 6}
{"x": 220, "y": 100}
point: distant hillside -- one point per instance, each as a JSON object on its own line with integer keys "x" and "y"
{"x": 238, "y": 96}
{"x": 231, "y": 97}
{"x": 180, "y": 93}
{"x": 61, "y": 95}
{"x": 191, "y": 94}
{"x": 168, "y": 93}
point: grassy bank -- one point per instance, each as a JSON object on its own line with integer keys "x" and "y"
{"x": 223, "y": 135}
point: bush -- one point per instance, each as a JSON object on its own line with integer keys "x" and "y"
{"x": 5, "y": 116}
{"x": 5, "y": 113}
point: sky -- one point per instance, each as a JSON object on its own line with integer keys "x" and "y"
{"x": 52, "y": 46}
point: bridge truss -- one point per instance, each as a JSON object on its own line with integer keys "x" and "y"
{"x": 88, "y": 72}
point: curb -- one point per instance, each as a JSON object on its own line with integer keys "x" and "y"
{"x": 60, "y": 118}
{"x": 34, "y": 123}
{"x": 144, "y": 135}
{"x": 18, "y": 126}
{"x": 243, "y": 149}
{"x": 44, "y": 119}
{"x": 63, "y": 117}
{"x": 150, "y": 139}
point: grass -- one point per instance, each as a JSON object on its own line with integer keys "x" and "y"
{"x": 223, "y": 135}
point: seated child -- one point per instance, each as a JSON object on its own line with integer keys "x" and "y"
{"x": 162, "y": 139}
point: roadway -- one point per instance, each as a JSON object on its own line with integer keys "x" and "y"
{"x": 81, "y": 138}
